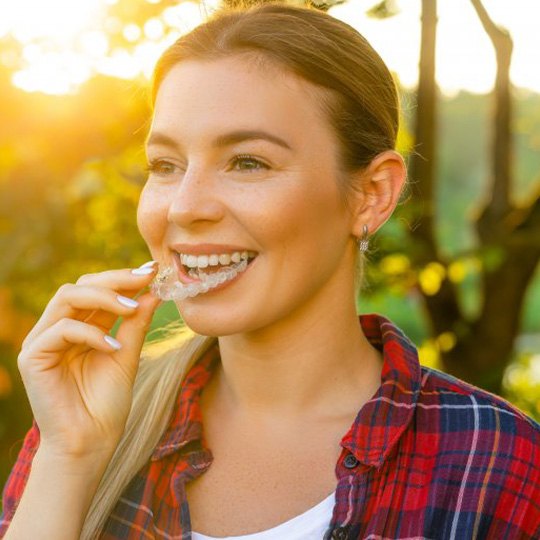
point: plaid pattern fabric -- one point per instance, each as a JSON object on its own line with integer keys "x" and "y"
{"x": 429, "y": 457}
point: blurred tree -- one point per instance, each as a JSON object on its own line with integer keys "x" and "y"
{"x": 480, "y": 347}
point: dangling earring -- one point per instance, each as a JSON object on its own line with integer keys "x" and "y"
{"x": 363, "y": 243}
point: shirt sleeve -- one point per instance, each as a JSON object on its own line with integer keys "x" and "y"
{"x": 18, "y": 476}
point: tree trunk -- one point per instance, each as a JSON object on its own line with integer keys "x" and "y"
{"x": 508, "y": 235}
{"x": 483, "y": 353}
{"x": 491, "y": 225}
{"x": 423, "y": 163}
{"x": 442, "y": 307}
{"x": 511, "y": 233}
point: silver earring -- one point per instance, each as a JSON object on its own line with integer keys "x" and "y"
{"x": 363, "y": 243}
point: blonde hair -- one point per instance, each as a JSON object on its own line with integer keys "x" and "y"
{"x": 162, "y": 369}
{"x": 363, "y": 107}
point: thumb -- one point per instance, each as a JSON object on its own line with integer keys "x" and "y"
{"x": 132, "y": 331}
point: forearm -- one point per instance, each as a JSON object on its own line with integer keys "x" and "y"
{"x": 56, "y": 498}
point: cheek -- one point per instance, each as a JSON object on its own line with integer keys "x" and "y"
{"x": 308, "y": 214}
{"x": 151, "y": 217}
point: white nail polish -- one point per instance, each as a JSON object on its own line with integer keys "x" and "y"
{"x": 148, "y": 264}
{"x": 143, "y": 271}
{"x": 128, "y": 302}
{"x": 112, "y": 342}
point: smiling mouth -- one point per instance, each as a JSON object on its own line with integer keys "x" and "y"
{"x": 181, "y": 281}
{"x": 192, "y": 268}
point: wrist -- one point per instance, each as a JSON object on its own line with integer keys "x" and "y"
{"x": 81, "y": 464}
{"x": 57, "y": 495}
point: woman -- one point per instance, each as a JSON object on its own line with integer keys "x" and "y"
{"x": 271, "y": 160}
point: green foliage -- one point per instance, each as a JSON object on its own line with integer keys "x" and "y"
{"x": 522, "y": 382}
{"x": 392, "y": 281}
{"x": 69, "y": 195}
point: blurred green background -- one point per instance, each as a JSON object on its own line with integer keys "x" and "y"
{"x": 72, "y": 166}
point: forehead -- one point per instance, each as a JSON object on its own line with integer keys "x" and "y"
{"x": 199, "y": 96}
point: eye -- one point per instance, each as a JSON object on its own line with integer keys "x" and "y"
{"x": 161, "y": 167}
{"x": 245, "y": 162}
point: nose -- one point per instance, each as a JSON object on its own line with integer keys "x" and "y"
{"x": 195, "y": 200}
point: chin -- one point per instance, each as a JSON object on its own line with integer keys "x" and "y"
{"x": 212, "y": 325}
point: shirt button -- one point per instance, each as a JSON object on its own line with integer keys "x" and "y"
{"x": 350, "y": 461}
{"x": 341, "y": 533}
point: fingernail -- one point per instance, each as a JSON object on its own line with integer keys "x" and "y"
{"x": 112, "y": 342}
{"x": 128, "y": 302}
{"x": 147, "y": 264}
{"x": 143, "y": 271}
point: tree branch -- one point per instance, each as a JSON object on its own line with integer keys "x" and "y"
{"x": 526, "y": 228}
{"x": 491, "y": 223}
{"x": 493, "y": 30}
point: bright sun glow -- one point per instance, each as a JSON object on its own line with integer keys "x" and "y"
{"x": 57, "y": 37}
{"x": 65, "y": 41}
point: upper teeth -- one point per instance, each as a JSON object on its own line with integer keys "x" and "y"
{"x": 214, "y": 259}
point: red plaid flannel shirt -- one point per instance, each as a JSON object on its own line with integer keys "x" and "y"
{"x": 428, "y": 457}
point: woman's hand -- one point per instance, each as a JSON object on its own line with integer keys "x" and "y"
{"x": 79, "y": 384}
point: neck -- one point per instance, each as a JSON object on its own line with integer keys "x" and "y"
{"x": 318, "y": 366}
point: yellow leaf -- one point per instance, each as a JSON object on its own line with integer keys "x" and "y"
{"x": 429, "y": 354}
{"x": 446, "y": 341}
{"x": 395, "y": 264}
{"x": 457, "y": 271}
{"x": 431, "y": 277}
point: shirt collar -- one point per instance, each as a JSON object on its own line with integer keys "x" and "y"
{"x": 375, "y": 430}
{"x": 186, "y": 421}
{"x": 383, "y": 419}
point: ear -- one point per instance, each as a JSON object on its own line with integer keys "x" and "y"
{"x": 379, "y": 188}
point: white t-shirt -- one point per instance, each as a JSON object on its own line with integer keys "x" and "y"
{"x": 311, "y": 525}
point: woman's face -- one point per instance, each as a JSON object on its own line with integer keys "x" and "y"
{"x": 242, "y": 159}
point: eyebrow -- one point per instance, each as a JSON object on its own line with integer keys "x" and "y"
{"x": 222, "y": 141}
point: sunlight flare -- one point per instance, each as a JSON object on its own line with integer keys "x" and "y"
{"x": 63, "y": 43}
{"x": 56, "y": 20}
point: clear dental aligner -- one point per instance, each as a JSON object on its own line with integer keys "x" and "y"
{"x": 166, "y": 285}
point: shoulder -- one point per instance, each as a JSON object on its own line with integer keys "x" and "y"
{"x": 456, "y": 408}
{"x": 452, "y": 391}
{"x": 482, "y": 452}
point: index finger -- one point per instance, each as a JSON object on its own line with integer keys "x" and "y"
{"x": 124, "y": 282}
{"x": 126, "y": 279}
